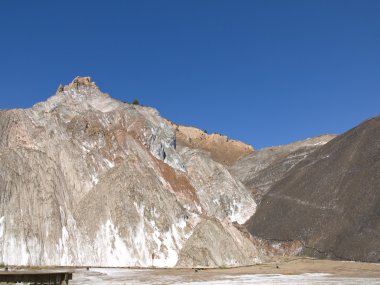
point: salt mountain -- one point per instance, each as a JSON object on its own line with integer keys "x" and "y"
{"x": 88, "y": 180}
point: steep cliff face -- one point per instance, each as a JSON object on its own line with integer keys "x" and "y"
{"x": 330, "y": 200}
{"x": 89, "y": 180}
{"x": 221, "y": 195}
{"x": 261, "y": 169}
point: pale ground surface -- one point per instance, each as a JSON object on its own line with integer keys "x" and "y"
{"x": 290, "y": 271}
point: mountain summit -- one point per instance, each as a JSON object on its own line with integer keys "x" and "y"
{"x": 82, "y": 93}
{"x": 88, "y": 180}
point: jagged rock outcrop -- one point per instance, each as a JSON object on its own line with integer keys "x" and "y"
{"x": 89, "y": 180}
{"x": 221, "y": 148}
{"x": 330, "y": 200}
{"x": 261, "y": 169}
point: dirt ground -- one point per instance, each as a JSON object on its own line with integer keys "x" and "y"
{"x": 280, "y": 270}
{"x": 300, "y": 265}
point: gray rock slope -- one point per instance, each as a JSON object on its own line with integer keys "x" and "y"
{"x": 259, "y": 170}
{"x": 329, "y": 201}
{"x": 89, "y": 180}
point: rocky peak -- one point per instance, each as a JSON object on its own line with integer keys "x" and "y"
{"x": 81, "y": 104}
{"x": 82, "y": 154}
{"x": 86, "y": 80}
{"x": 83, "y": 94}
{"x": 83, "y": 85}
{"x": 80, "y": 82}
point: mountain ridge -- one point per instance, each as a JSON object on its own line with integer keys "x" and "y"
{"x": 88, "y": 180}
{"x": 334, "y": 212}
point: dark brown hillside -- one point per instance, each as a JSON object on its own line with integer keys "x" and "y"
{"x": 330, "y": 201}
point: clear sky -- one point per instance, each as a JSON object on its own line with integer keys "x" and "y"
{"x": 264, "y": 72}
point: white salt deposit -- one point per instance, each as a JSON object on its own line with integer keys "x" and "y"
{"x": 143, "y": 277}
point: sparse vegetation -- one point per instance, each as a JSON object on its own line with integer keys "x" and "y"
{"x": 136, "y": 102}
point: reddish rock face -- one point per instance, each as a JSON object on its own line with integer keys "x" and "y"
{"x": 221, "y": 149}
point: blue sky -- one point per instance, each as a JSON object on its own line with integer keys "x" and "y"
{"x": 264, "y": 72}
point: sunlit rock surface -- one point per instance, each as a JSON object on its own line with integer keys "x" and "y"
{"x": 220, "y": 194}
{"x": 220, "y": 148}
{"x": 89, "y": 180}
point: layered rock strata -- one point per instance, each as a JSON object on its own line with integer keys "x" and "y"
{"x": 87, "y": 180}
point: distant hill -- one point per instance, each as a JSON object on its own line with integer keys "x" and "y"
{"x": 259, "y": 170}
{"x": 329, "y": 201}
